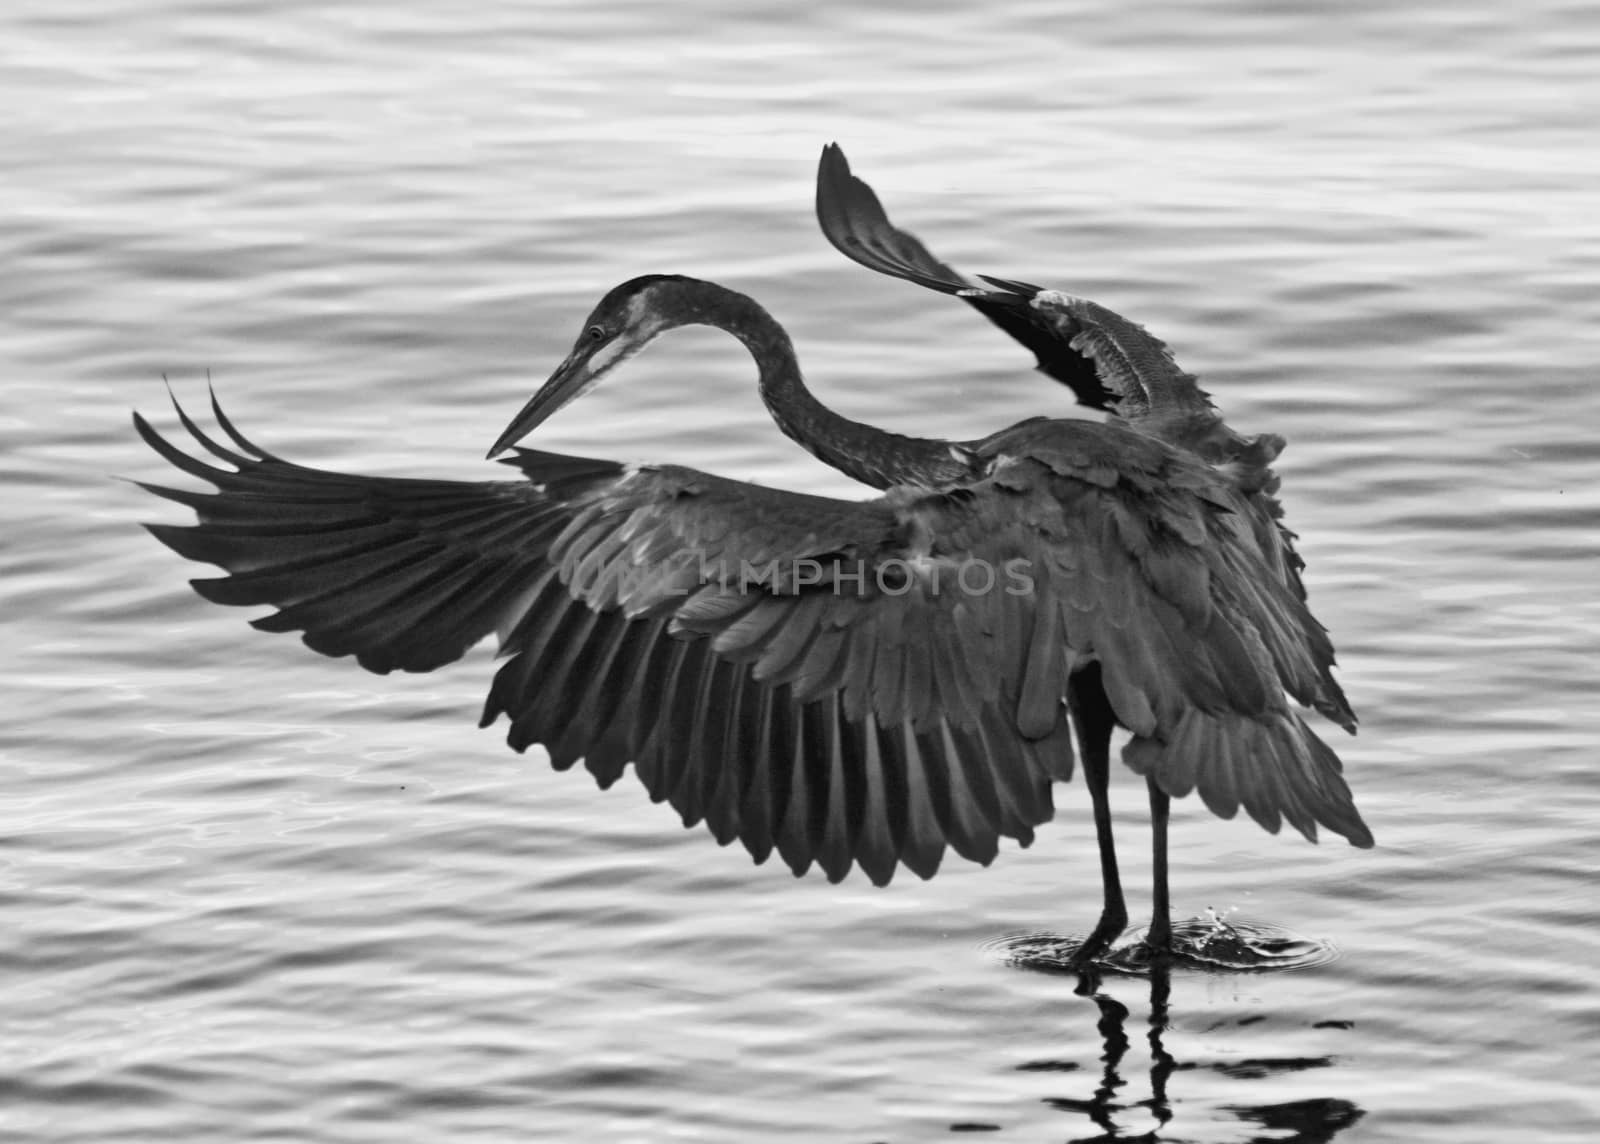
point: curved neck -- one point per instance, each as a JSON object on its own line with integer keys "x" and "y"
{"x": 863, "y": 452}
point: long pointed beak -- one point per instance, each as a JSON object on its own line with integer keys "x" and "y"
{"x": 570, "y": 379}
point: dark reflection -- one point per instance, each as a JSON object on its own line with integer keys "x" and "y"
{"x": 1311, "y": 1121}
{"x": 1113, "y": 1034}
{"x": 1257, "y": 1069}
{"x": 1294, "y": 1122}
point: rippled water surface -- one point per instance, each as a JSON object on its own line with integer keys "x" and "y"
{"x": 252, "y": 894}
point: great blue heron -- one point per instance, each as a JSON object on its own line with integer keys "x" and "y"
{"x": 844, "y": 682}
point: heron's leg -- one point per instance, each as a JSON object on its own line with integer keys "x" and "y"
{"x": 1159, "y": 939}
{"x": 1094, "y": 721}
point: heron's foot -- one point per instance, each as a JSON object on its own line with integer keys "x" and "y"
{"x": 1155, "y": 946}
{"x": 1100, "y": 941}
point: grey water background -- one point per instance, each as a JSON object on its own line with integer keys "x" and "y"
{"x": 252, "y": 894}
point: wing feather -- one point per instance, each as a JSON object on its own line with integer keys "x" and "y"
{"x": 854, "y": 221}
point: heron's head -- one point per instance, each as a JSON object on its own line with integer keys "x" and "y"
{"x": 624, "y": 322}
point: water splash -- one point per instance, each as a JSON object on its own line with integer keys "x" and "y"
{"x": 1209, "y": 944}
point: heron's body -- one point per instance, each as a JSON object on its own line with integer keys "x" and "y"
{"x": 842, "y": 682}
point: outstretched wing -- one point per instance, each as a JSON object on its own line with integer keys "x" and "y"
{"x": 841, "y": 682}
{"x": 603, "y": 583}
{"x": 1109, "y": 362}
{"x": 1164, "y": 581}
{"x": 854, "y": 220}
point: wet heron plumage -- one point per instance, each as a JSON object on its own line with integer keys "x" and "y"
{"x": 816, "y": 677}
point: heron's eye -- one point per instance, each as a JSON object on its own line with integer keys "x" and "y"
{"x": 595, "y": 333}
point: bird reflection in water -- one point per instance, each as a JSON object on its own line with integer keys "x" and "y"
{"x": 798, "y": 672}
{"x": 1117, "y": 1117}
